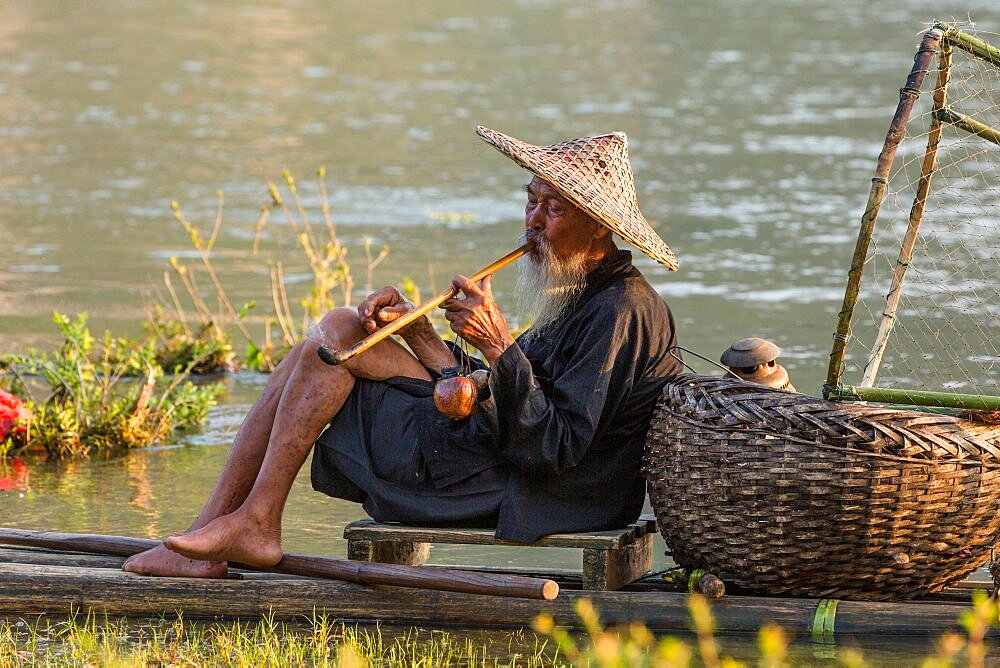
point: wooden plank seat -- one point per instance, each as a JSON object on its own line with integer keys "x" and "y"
{"x": 611, "y": 559}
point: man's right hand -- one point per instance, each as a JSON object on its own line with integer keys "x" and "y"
{"x": 382, "y": 307}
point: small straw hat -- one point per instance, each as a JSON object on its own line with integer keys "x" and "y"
{"x": 750, "y": 352}
{"x": 594, "y": 174}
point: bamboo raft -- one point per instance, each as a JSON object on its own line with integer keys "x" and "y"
{"x": 41, "y": 581}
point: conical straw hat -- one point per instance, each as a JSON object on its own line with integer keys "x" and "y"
{"x": 594, "y": 174}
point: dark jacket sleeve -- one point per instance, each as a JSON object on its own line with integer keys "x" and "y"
{"x": 549, "y": 429}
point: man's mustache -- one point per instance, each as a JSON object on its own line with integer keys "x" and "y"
{"x": 535, "y": 238}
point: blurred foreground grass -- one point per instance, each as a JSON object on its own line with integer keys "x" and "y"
{"x": 321, "y": 641}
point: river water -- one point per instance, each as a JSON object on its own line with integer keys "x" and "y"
{"x": 754, "y": 127}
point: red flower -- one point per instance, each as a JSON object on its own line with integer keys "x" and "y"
{"x": 13, "y": 414}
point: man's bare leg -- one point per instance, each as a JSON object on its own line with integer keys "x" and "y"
{"x": 235, "y": 482}
{"x": 311, "y": 395}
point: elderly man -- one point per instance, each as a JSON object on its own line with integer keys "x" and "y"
{"x": 555, "y": 444}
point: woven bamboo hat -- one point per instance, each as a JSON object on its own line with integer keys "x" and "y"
{"x": 593, "y": 173}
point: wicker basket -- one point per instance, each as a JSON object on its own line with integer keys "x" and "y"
{"x": 783, "y": 493}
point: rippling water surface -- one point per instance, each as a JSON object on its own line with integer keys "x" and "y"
{"x": 754, "y": 127}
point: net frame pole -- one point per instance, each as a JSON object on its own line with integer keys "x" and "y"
{"x": 927, "y": 169}
{"x": 891, "y": 395}
{"x": 970, "y": 125}
{"x": 908, "y": 95}
{"x": 973, "y": 45}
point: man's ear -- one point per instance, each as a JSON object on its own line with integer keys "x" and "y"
{"x": 601, "y": 232}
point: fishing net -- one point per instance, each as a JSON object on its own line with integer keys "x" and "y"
{"x": 927, "y": 309}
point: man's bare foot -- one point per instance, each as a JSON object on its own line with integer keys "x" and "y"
{"x": 233, "y": 538}
{"x": 161, "y": 561}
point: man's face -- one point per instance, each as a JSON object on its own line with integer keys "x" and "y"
{"x": 549, "y": 217}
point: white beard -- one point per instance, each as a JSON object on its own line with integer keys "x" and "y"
{"x": 547, "y": 285}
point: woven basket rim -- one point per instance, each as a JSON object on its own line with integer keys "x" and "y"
{"x": 866, "y": 414}
{"x": 778, "y": 435}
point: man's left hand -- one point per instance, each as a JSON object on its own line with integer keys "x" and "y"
{"x": 477, "y": 318}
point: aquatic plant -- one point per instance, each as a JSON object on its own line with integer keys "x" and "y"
{"x": 176, "y": 346}
{"x": 99, "y": 394}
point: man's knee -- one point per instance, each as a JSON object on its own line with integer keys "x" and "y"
{"x": 341, "y": 326}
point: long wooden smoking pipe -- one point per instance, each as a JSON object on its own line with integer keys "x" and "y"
{"x": 361, "y": 572}
{"x": 335, "y": 357}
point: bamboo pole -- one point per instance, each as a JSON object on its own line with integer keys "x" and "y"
{"x": 897, "y": 128}
{"x": 916, "y": 217}
{"x": 973, "y": 45}
{"x": 889, "y": 395}
{"x": 336, "y": 357}
{"x": 968, "y": 124}
{"x": 360, "y": 572}
{"x": 33, "y": 589}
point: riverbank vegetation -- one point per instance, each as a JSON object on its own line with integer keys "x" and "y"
{"x": 97, "y": 394}
{"x": 321, "y": 641}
